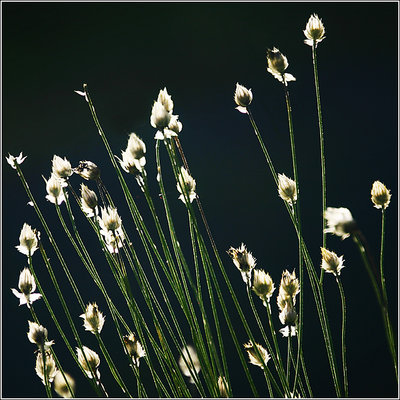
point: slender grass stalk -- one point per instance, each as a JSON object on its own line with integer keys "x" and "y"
{"x": 389, "y": 330}
{"x": 316, "y": 288}
{"x": 322, "y": 147}
{"x": 344, "y": 359}
{"x": 296, "y": 211}
{"x": 289, "y": 350}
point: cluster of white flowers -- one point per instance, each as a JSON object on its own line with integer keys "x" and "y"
{"x": 162, "y": 119}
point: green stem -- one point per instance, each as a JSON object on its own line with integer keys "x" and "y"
{"x": 321, "y": 140}
{"x": 389, "y": 330}
{"x": 343, "y": 299}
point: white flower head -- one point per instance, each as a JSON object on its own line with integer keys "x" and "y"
{"x": 27, "y": 286}
{"x": 28, "y": 240}
{"x": 174, "y": 125}
{"x": 189, "y": 362}
{"x": 222, "y": 386}
{"x": 257, "y": 354}
{"x": 134, "y": 348}
{"x": 263, "y": 286}
{"x": 243, "y": 98}
{"x": 165, "y": 99}
{"x": 54, "y": 190}
{"x": 289, "y": 286}
{"x": 340, "y": 222}
{"x": 89, "y": 361}
{"x": 88, "y": 170}
{"x": 137, "y": 148}
{"x": 12, "y": 160}
{"x": 331, "y": 262}
{"x": 61, "y": 167}
{"x": 160, "y": 117}
{"x": 244, "y": 262}
{"x": 287, "y": 189}
{"x": 61, "y": 386}
{"x": 110, "y": 220}
{"x": 88, "y": 201}
{"x": 38, "y": 334}
{"x": 93, "y": 319}
{"x": 130, "y": 164}
{"x": 186, "y": 185}
{"x": 288, "y": 316}
{"x": 277, "y": 65}
{"x": 111, "y": 228}
{"x": 50, "y": 370}
{"x": 380, "y": 195}
{"x": 314, "y": 31}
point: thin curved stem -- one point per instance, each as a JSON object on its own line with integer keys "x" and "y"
{"x": 344, "y": 360}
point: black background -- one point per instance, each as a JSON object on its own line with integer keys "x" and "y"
{"x": 126, "y": 52}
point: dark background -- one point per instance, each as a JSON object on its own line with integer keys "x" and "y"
{"x": 126, "y": 52}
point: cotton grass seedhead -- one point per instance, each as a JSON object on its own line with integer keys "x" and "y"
{"x": 340, "y": 222}
{"x": 54, "y": 190}
{"x": 222, "y": 385}
{"x": 61, "y": 387}
{"x": 314, "y": 31}
{"x": 277, "y": 65}
{"x": 189, "y": 362}
{"x": 160, "y": 117}
{"x": 288, "y": 315}
{"x": 175, "y": 125}
{"x": 380, "y": 195}
{"x": 61, "y": 167}
{"x": 134, "y": 348}
{"x": 93, "y": 319}
{"x": 88, "y": 170}
{"x": 12, "y": 160}
{"x": 331, "y": 262}
{"x": 259, "y": 357}
{"x": 243, "y": 98}
{"x": 28, "y": 240}
{"x": 290, "y": 285}
{"x": 287, "y": 189}
{"x": 110, "y": 220}
{"x": 186, "y": 185}
{"x": 93, "y": 361}
{"x": 27, "y": 286}
{"x": 165, "y": 99}
{"x": 38, "y": 335}
{"x": 88, "y": 201}
{"x": 50, "y": 371}
{"x": 244, "y": 262}
{"x": 263, "y": 286}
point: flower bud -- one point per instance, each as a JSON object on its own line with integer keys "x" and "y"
{"x": 110, "y": 220}
{"x": 260, "y": 357}
{"x": 61, "y": 387}
{"x": 186, "y": 185}
{"x": 28, "y": 242}
{"x": 93, "y": 319}
{"x": 175, "y": 125}
{"x": 134, "y": 348}
{"x": 50, "y": 370}
{"x": 331, "y": 262}
{"x": 340, "y": 222}
{"x": 243, "y": 97}
{"x": 289, "y": 284}
{"x": 38, "y": 334}
{"x": 380, "y": 195}
{"x": 88, "y": 170}
{"x": 61, "y": 167}
{"x": 287, "y": 189}
{"x": 165, "y": 99}
{"x": 314, "y": 31}
{"x": 263, "y": 286}
{"x": 54, "y": 190}
{"x": 89, "y": 361}
{"x": 88, "y": 200}
{"x": 277, "y": 65}
{"x": 244, "y": 261}
{"x": 189, "y": 362}
{"x": 160, "y": 117}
